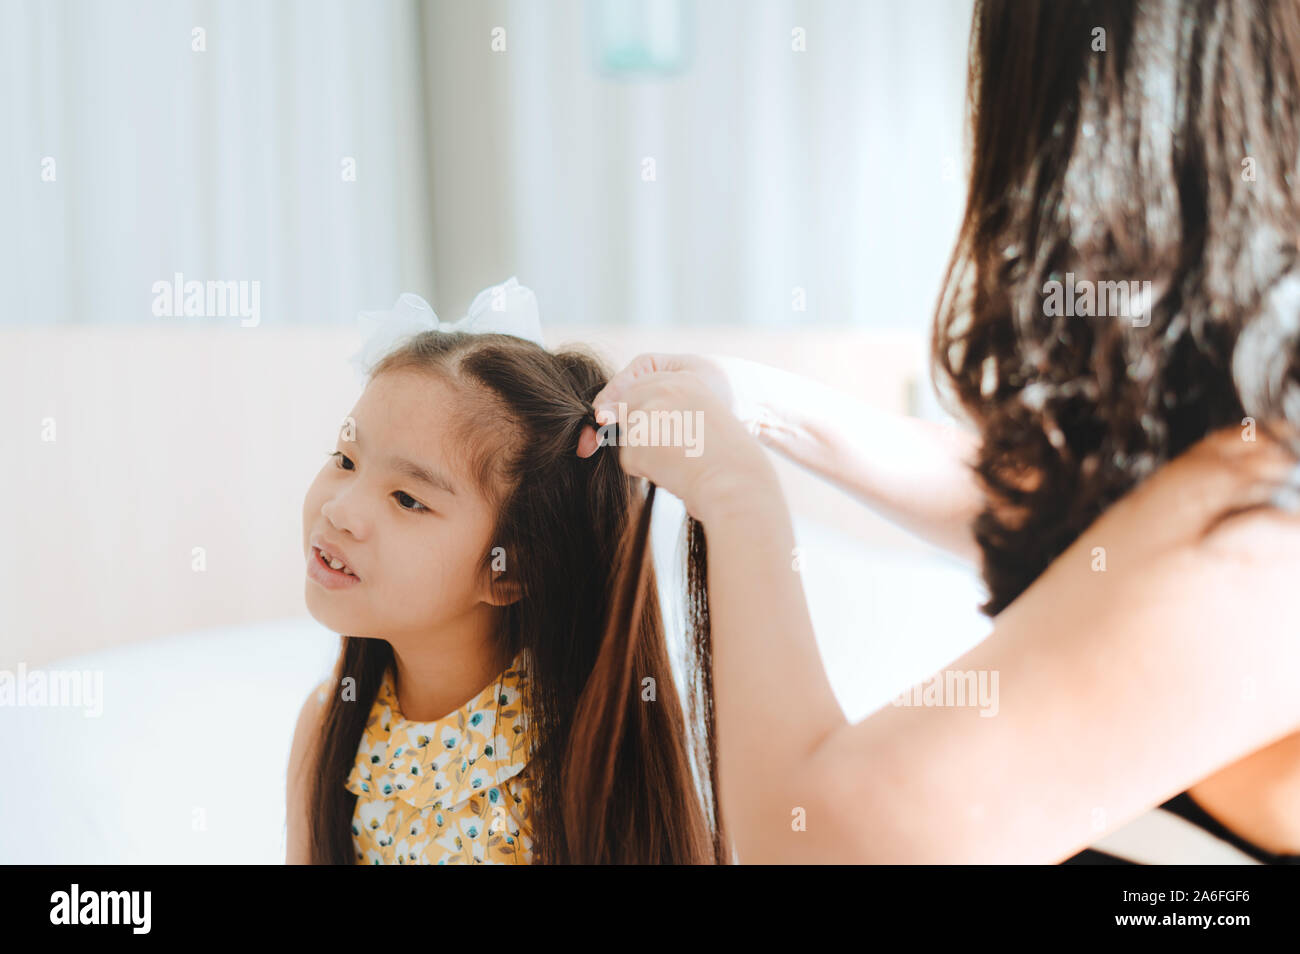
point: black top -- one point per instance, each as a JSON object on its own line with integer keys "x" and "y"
{"x": 1184, "y": 807}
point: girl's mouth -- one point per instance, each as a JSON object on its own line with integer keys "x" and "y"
{"x": 320, "y": 570}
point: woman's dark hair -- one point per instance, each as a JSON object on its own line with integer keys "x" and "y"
{"x": 615, "y": 777}
{"x": 1114, "y": 142}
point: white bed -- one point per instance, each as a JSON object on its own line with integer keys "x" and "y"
{"x": 186, "y": 763}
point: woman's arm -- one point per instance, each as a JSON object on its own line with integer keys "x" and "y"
{"x": 915, "y": 473}
{"x": 1114, "y": 691}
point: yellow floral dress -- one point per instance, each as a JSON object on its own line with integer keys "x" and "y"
{"x": 453, "y": 791}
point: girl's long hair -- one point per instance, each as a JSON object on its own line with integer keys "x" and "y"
{"x": 1121, "y": 142}
{"x": 619, "y": 773}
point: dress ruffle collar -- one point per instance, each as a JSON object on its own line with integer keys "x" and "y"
{"x": 438, "y": 764}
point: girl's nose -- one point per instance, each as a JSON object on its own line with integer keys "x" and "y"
{"x": 343, "y": 510}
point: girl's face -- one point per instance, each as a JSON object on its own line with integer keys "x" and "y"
{"x": 395, "y": 508}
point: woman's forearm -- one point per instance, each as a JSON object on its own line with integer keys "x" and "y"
{"x": 773, "y": 702}
{"x": 915, "y": 473}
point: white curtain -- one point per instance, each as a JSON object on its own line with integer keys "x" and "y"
{"x": 836, "y": 170}
{"x": 220, "y": 164}
{"x": 789, "y": 186}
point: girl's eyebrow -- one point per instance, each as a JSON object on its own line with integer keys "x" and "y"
{"x": 409, "y": 468}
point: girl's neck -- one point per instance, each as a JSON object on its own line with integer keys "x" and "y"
{"x": 440, "y": 672}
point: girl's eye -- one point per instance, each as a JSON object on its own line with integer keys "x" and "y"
{"x": 400, "y": 495}
{"x": 414, "y": 506}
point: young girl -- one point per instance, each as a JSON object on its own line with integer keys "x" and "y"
{"x": 503, "y": 693}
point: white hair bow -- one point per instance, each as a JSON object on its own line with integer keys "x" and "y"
{"x": 509, "y": 309}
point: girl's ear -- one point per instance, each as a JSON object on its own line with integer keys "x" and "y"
{"x": 502, "y": 591}
{"x": 500, "y": 588}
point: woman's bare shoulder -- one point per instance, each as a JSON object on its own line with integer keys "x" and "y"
{"x": 1206, "y": 573}
{"x": 1200, "y": 555}
{"x": 1226, "y": 483}
{"x": 1145, "y": 658}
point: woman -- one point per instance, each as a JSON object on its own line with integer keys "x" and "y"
{"x": 1131, "y": 495}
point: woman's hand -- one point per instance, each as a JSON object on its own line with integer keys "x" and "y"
{"x": 709, "y": 370}
{"x": 670, "y": 416}
{"x": 706, "y": 367}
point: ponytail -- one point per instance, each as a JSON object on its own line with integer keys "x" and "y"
{"x": 613, "y": 718}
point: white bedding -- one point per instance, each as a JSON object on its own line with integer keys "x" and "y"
{"x": 186, "y": 764}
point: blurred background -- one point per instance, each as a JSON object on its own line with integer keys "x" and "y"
{"x": 773, "y": 179}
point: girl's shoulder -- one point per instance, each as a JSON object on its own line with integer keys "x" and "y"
{"x": 319, "y": 696}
